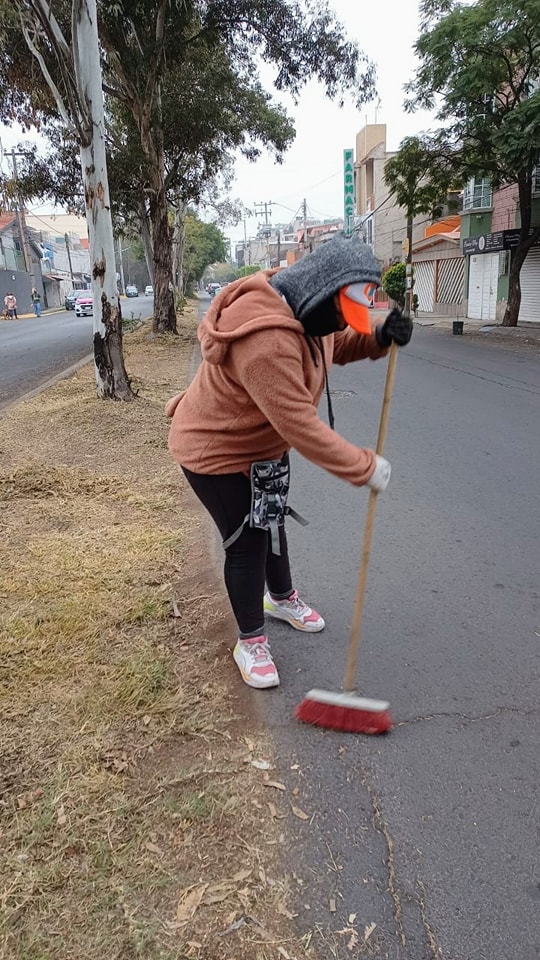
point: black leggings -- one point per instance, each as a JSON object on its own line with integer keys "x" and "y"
{"x": 249, "y": 561}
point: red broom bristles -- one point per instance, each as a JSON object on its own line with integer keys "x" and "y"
{"x": 363, "y": 717}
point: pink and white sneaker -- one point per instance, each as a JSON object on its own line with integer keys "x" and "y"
{"x": 255, "y": 663}
{"x": 295, "y": 612}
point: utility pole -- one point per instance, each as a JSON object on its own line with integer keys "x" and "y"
{"x": 21, "y": 217}
{"x": 304, "y": 214}
{"x": 264, "y": 209}
{"x": 66, "y": 239}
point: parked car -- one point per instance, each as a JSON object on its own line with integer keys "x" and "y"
{"x": 70, "y": 298}
{"x": 149, "y": 291}
{"x": 131, "y": 291}
{"x": 84, "y": 305}
{"x": 213, "y": 288}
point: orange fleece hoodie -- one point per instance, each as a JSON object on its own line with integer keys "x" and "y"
{"x": 256, "y": 392}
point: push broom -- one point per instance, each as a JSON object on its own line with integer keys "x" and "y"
{"x": 346, "y": 711}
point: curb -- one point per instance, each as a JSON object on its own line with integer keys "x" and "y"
{"x": 5, "y": 407}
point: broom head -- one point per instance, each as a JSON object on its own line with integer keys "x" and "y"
{"x": 345, "y": 711}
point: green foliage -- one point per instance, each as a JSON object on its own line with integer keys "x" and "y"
{"x": 479, "y": 67}
{"x": 248, "y": 270}
{"x": 204, "y": 244}
{"x": 393, "y": 283}
{"x": 419, "y": 176}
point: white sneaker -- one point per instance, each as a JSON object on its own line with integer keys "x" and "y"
{"x": 295, "y": 612}
{"x": 255, "y": 663}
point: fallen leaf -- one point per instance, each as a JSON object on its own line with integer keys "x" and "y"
{"x": 146, "y": 720}
{"x": 283, "y": 953}
{"x": 272, "y": 809}
{"x": 61, "y": 818}
{"x": 262, "y": 875}
{"x": 368, "y": 931}
{"x": 175, "y": 610}
{"x": 189, "y": 902}
{"x": 353, "y": 942}
{"x": 333, "y": 907}
{"x": 153, "y": 848}
{"x": 296, "y": 791}
{"x": 352, "y": 918}
{"x": 242, "y": 875}
{"x": 295, "y": 766}
{"x": 274, "y": 784}
{"x": 299, "y": 813}
{"x": 219, "y": 896}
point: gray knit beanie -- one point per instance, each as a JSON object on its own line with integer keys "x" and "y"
{"x": 319, "y": 275}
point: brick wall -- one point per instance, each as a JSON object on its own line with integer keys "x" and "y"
{"x": 504, "y": 208}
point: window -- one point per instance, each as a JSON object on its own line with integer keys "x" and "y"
{"x": 477, "y": 194}
{"x": 369, "y": 231}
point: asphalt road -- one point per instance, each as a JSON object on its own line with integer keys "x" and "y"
{"x": 34, "y": 350}
{"x": 430, "y": 833}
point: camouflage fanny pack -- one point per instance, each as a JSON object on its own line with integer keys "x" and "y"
{"x": 270, "y": 480}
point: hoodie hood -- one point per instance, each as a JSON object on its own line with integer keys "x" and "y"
{"x": 240, "y": 309}
{"x": 318, "y": 276}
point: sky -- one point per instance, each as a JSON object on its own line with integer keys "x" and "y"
{"x": 386, "y": 31}
{"x": 312, "y": 167}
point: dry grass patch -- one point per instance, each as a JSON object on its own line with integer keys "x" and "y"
{"x": 126, "y": 791}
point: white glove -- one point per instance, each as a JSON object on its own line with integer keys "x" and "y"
{"x": 381, "y": 475}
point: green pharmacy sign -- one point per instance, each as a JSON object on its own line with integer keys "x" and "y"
{"x": 348, "y": 190}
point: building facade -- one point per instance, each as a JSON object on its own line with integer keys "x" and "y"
{"x": 383, "y": 222}
{"x": 489, "y": 226}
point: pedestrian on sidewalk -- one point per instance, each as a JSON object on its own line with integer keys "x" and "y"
{"x": 267, "y": 343}
{"x": 36, "y": 302}
{"x": 10, "y": 303}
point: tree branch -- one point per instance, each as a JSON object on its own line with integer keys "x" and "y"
{"x": 61, "y": 107}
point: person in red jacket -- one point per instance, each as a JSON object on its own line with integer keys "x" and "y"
{"x": 267, "y": 343}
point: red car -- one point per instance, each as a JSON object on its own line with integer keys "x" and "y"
{"x": 84, "y": 305}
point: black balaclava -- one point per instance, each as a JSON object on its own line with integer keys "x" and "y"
{"x": 322, "y": 319}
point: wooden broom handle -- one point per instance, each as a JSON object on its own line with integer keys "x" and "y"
{"x": 350, "y": 669}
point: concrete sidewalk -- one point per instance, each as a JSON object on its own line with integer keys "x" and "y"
{"x": 526, "y": 333}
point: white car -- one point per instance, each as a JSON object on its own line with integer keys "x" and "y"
{"x": 149, "y": 291}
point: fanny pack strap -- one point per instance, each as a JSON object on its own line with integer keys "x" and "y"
{"x": 273, "y": 527}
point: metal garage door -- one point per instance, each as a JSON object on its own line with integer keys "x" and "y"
{"x": 529, "y": 311}
{"x": 424, "y": 285}
{"x": 483, "y": 281}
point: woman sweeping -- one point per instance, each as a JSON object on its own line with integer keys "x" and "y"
{"x": 267, "y": 344}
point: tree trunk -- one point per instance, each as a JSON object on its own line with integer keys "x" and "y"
{"x": 164, "y": 311}
{"x": 408, "y": 311}
{"x": 147, "y": 241}
{"x": 511, "y": 314}
{"x": 526, "y": 240}
{"x": 180, "y": 244}
{"x": 111, "y": 377}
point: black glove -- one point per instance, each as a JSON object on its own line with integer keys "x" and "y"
{"x": 395, "y": 327}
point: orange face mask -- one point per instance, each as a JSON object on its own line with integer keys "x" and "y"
{"x": 354, "y": 303}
